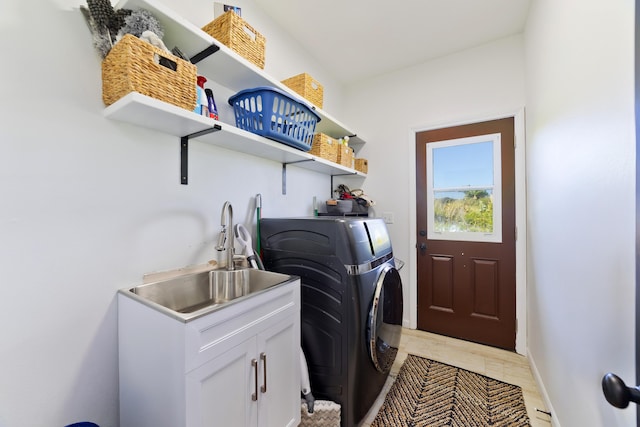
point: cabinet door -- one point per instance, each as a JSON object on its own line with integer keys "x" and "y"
{"x": 279, "y": 353}
{"x": 219, "y": 393}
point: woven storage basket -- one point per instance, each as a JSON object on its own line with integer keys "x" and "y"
{"x": 308, "y": 87}
{"x": 131, "y": 66}
{"x": 234, "y": 32}
{"x": 324, "y": 146}
{"x": 361, "y": 165}
{"x": 345, "y": 156}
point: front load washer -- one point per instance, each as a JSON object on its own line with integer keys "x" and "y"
{"x": 351, "y": 303}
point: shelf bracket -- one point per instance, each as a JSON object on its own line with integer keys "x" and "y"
{"x": 284, "y": 173}
{"x": 338, "y": 174}
{"x": 205, "y": 53}
{"x": 184, "y": 151}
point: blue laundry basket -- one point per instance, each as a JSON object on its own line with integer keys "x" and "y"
{"x": 274, "y": 114}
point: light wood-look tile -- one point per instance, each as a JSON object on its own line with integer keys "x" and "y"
{"x": 500, "y": 364}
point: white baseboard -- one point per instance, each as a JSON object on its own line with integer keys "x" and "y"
{"x": 542, "y": 390}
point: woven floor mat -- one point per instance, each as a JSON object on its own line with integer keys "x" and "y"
{"x": 430, "y": 393}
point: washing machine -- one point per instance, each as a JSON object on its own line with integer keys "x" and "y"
{"x": 351, "y": 303}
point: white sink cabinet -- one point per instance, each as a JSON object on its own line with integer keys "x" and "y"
{"x": 238, "y": 366}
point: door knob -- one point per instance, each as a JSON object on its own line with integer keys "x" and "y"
{"x": 423, "y": 247}
{"x": 617, "y": 392}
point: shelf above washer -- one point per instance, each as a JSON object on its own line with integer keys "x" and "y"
{"x": 226, "y": 67}
{"x": 160, "y": 116}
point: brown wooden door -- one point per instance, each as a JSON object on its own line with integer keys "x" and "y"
{"x": 466, "y": 285}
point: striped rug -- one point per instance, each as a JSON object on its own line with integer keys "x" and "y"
{"x": 430, "y": 393}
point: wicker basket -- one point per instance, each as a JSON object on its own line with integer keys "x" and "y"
{"x": 131, "y": 66}
{"x": 306, "y": 86}
{"x": 361, "y": 165}
{"x": 324, "y": 146}
{"x": 234, "y": 32}
{"x": 345, "y": 156}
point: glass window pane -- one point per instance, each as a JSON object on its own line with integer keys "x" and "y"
{"x": 463, "y": 165}
{"x": 463, "y": 211}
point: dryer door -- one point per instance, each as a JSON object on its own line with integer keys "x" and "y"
{"x": 384, "y": 326}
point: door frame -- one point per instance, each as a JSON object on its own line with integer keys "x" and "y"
{"x": 521, "y": 218}
{"x": 636, "y": 84}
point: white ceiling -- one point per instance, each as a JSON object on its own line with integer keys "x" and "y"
{"x": 356, "y": 39}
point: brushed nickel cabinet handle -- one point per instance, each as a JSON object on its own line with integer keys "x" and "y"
{"x": 263, "y": 357}
{"x": 254, "y": 363}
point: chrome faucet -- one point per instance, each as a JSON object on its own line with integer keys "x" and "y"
{"x": 226, "y": 209}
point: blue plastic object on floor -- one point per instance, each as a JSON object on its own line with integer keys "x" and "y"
{"x": 83, "y": 424}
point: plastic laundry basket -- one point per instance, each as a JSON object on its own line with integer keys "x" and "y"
{"x": 274, "y": 114}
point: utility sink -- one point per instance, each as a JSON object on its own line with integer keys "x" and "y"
{"x": 189, "y": 296}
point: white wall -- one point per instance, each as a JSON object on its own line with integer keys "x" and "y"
{"x": 89, "y": 205}
{"x": 474, "y": 85}
{"x": 581, "y": 166}
{"x": 284, "y": 56}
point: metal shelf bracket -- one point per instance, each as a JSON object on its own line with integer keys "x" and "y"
{"x": 284, "y": 173}
{"x": 205, "y": 53}
{"x": 339, "y": 174}
{"x": 184, "y": 152}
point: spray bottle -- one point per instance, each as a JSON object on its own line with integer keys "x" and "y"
{"x": 202, "y": 107}
{"x": 213, "y": 110}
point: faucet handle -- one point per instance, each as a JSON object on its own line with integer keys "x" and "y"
{"x": 222, "y": 239}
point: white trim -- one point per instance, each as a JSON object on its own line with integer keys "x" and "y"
{"x": 543, "y": 391}
{"x": 521, "y": 220}
{"x": 521, "y": 228}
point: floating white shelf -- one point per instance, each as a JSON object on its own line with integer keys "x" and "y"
{"x": 151, "y": 113}
{"x": 231, "y": 71}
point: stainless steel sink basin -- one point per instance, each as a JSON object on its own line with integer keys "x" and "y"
{"x": 189, "y": 296}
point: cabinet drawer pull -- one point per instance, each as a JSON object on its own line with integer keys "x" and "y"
{"x": 254, "y": 363}
{"x": 263, "y": 357}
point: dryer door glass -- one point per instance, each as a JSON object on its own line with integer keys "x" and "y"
{"x": 384, "y": 327}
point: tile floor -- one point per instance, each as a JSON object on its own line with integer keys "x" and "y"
{"x": 492, "y": 362}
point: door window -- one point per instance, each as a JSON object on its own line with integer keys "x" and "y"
{"x": 464, "y": 189}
